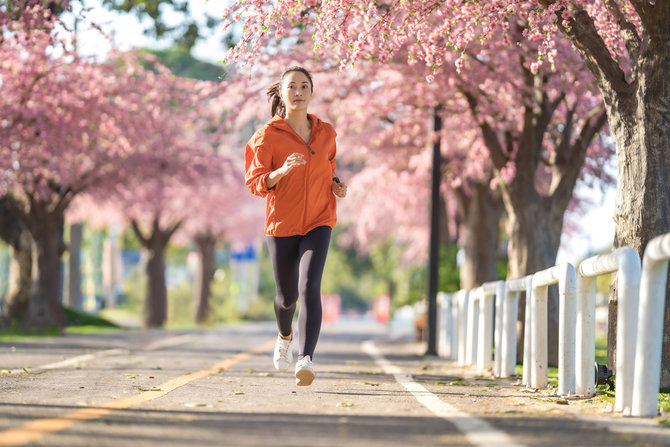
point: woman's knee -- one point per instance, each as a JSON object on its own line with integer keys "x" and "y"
{"x": 285, "y": 303}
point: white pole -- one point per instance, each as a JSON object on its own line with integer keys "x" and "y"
{"x": 585, "y": 346}
{"x": 528, "y": 336}
{"x": 650, "y": 328}
{"x": 538, "y": 350}
{"x": 471, "y": 337}
{"x": 455, "y": 326}
{"x": 500, "y": 306}
{"x": 485, "y": 336}
{"x": 508, "y": 343}
{"x": 463, "y": 311}
{"x": 626, "y": 261}
{"x": 566, "y": 277}
{"x": 441, "y": 324}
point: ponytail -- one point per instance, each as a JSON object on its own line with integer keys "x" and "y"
{"x": 277, "y": 106}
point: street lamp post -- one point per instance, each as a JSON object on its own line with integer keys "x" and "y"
{"x": 434, "y": 253}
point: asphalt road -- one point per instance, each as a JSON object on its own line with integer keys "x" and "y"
{"x": 217, "y": 387}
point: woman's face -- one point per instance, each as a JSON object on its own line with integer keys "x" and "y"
{"x": 296, "y": 91}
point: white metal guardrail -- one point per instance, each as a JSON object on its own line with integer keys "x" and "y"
{"x": 445, "y": 325}
{"x": 647, "y": 375}
{"x": 626, "y": 262}
{"x": 467, "y": 320}
{"x": 565, "y": 276}
{"x": 506, "y": 366}
{"x": 463, "y": 301}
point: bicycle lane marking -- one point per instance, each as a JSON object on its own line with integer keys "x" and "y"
{"x": 476, "y": 431}
{"x": 34, "y": 430}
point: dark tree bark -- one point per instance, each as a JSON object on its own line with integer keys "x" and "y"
{"x": 44, "y": 222}
{"x": 19, "y": 284}
{"x": 206, "y": 244}
{"x": 154, "y": 245}
{"x": 75, "y": 297}
{"x": 480, "y": 210}
{"x": 535, "y": 218}
{"x": 45, "y": 308}
{"x": 638, "y": 111}
{"x": 14, "y": 235}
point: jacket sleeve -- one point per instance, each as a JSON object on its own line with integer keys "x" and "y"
{"x": 333, "y": 153}
{"x": 258, "y": 163}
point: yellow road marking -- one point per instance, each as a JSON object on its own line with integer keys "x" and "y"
{"x": 34, "y": 430}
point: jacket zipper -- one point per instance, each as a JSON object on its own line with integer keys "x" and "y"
{"x": 310, "y": 152}
{"x": 309, "y": 157}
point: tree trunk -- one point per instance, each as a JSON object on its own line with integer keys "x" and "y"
{"x": 480, "y": 213}
{"x": 205, "y": 274}
{"x": 154, "y": 244}
{"x": 642, "y": 209}
{"x": 75, "y": 297}
{"x": 532, "y": 246}
{"x": 45, "y": 308}
{"x": 155, "y": 310}
{"x": 638, "y": 112}
{"x": 20, "y": 279}
{"x": 13, "y": 232}
{"x": 535, "y": 218}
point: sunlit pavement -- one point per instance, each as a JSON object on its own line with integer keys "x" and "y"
{"x": 374, "y": 387}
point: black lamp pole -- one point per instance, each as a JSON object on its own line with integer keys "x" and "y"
{"x": 434, "y": 253}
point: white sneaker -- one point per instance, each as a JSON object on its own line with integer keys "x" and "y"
{"x": 304, "y": 373}
{"x": 283, "y": 356}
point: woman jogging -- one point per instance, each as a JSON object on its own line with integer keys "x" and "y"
{"x": 291, "y": 161}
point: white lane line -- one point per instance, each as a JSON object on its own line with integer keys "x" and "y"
{"x": 170, "y": 342}
{"x": 160, "y": 344}
{"x": 71, "y": 361}
{"x": 476, "y": 431}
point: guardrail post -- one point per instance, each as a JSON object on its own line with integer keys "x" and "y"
{"x": 500, "y": 306}
{"x": 472, "y": 331}
{"x": 528, "y": 336}
{"x": 485, "y": 336}
{"x": 650, "y": 328}
{"x": 566, "y": 277}
{"x": 444, "y": 324}
{"x": 626, "y": 261}
{"x": 453, "y": 331}
{"x": 463, "y": 308}
{"x": 507, "y": 346}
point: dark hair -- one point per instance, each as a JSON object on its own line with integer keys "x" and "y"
{"x": 277, "y": 106}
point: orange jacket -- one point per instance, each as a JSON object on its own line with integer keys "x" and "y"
{"x": 303, "y": 199}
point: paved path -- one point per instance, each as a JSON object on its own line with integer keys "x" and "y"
{"x": 218, "y": 388}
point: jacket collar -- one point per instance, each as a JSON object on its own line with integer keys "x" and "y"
{"x": 279, "y": 122}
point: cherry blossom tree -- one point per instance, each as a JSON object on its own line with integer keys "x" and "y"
{"x": 495, "y": 123}
{"x": 22, "y": 16}
{"x": 178, "y": 160}
{"x": 63, "y": 129}
{"x": 624, "y": 45}
{"x": 219, "y": 210}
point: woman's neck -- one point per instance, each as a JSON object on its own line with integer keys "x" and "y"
{"x": 298, "y": 119}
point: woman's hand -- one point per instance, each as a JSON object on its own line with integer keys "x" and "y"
{"x": 293, "y": 160}
{"x": 339, "y": 189}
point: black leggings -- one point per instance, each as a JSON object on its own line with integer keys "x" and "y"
{"x": 298, "y": 263}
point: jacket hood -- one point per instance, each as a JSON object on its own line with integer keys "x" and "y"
{"x": 279, "y": 122}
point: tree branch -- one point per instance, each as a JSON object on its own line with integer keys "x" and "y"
{"x": 628, "y": 31}
{"x": 654, "y": 15}
{"x": 143, "y": 240}
{"x": 581, "y": 31}
{"x": 490, "y": 138}
{"x": 593, "y": 122}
